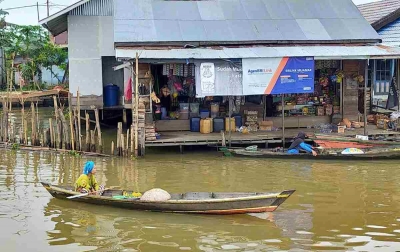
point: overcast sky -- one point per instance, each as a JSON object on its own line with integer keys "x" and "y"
{"x": 29, "y": 15}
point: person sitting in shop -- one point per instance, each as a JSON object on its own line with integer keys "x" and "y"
{"x": 299, "y": 144}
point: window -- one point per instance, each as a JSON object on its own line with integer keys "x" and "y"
{"x": 383, "y": 77}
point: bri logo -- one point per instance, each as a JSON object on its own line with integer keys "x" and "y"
{"x": 260, "y": 71}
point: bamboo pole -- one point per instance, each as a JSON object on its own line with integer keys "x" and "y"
{"x": 76, "y": 128}
{"x": 5, "y": 122}
{"x": 65, "y": 130}
{"x": 22, "y": 121}
{"x": 132, "y": 140}
{"x": 21, "y": 135}
{"x": 45, "y": 139}
{"x": 119, "y": 142}
{"x": 96, "y": 114}
{"x": 136, "y": 104}
{"x": 57, "y": 131}
{"x": 59, "y": 134}
{"x": 12, "y": 132}
{"x": 87, "y": 132}
{"x": 41, "y": 140}
{"x": 122, "y": 145}
{"x": 127, "y": 142}
{"x": 79, "y": 119}
{"x": 37, "y": 119}
{"x": 71, "y": 126}
{"x": 92, "y": 142}
{"x": 25, "y": 132}
{"x": 51, "y": 133}
{"x": 33, "y": 133}
{"x": 124, "y": 118}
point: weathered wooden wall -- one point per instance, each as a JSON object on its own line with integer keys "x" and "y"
{"x": 350, "y": 87}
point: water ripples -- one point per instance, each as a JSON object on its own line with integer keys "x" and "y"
{"x": 337, "y": 205}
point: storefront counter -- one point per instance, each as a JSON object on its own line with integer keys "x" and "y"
{"x": 299, "y": 121}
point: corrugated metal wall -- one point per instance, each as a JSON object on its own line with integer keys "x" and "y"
{"x": 390, "y": 34}
{"x": 94, "y": 8}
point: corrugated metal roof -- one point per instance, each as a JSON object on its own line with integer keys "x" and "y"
{"x": 58, "y": 22}
{"x": 390, "y": 34}
{"x": 375, "y": 11}
{"x": 94, "y": 8}
{"x": 319, "y": 52}
{"x": 146, "y": 21}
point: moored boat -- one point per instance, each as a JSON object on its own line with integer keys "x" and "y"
{"x": 191, "y": 202}
{"x": 369, "y": 154}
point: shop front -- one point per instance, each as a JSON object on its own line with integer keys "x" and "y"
{"x": 310, "y": 89}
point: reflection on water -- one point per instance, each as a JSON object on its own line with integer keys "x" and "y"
{"x": 337, "y": 205}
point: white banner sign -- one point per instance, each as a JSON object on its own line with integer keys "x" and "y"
{"x": 227, "y": 80}
{"x": 207, "y": 78}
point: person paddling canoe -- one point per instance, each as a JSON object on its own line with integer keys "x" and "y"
{"x": 87, "y": 183}
{"x": 299, "y": 144}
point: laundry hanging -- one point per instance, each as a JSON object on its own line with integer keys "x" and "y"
{"x": 128, "y": 90}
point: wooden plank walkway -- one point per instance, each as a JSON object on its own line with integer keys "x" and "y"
{"x": 187, "y": 138}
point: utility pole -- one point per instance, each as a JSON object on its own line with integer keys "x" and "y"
{"x": 48, "y": 8}
{"x": 37, "y": 8}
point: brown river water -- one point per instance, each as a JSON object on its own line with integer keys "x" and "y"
{"x": 338, "y": 206}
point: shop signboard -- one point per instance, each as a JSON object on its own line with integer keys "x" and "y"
{"x": 207, "y": 77}
{"x": 226, "y": 81}
{"x": 288, "y": 75}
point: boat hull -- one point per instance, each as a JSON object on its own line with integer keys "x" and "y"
{"x": 385, "y": 155}
{"x": 243, "y": 203}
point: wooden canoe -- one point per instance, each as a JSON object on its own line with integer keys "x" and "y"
{"x": 191, "y": 202}
{"x": 332, "y": 155}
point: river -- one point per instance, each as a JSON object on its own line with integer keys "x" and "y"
{"x": 341, "y": 206}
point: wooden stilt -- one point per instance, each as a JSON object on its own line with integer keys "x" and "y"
{"x": 33, "y": 120}
{"x": 79, "y": 119}
{"x": 124, "y": 119}
{"x": 71, "y": 125}
{"x": 87, "y": 132}
{"x": 132, "y": 140}
{"x": 67, "y": 139}
{"x": 122, "y": 145}
{"x": 51, "y": 133}
{"x": 76, "y": 128}
{"x": 92, "y": 142}
{"x": 127, "y": 143}
{"x": 59, "y": 134}
{"x": 112, "y": 147}
{"x": 119, "y": 142}
{"x": 25, "y": 132}
{"x": 96, "y": 114}
{"x": 136, "y": 107}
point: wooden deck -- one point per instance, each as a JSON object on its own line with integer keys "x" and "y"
{"x": 187, "y": 138}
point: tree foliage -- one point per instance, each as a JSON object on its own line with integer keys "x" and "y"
{"x": 33, "y": 46}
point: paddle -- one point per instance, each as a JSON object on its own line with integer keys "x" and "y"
{"x": 85, "y": 194}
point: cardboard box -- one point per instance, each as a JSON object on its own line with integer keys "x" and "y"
{"x": 336, "y": 109}
{"x": 320, "y": 111}
{"x": 328, "y": 110}
{"x": 265, "y": 128}
{"x": 251, "y": 118}
{"x": 338, "y": 129}
{"x": 267, "y": 123}
{"x": 382, "y": 124}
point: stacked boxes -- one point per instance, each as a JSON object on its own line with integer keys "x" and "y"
{"x": 251, "y": 120}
